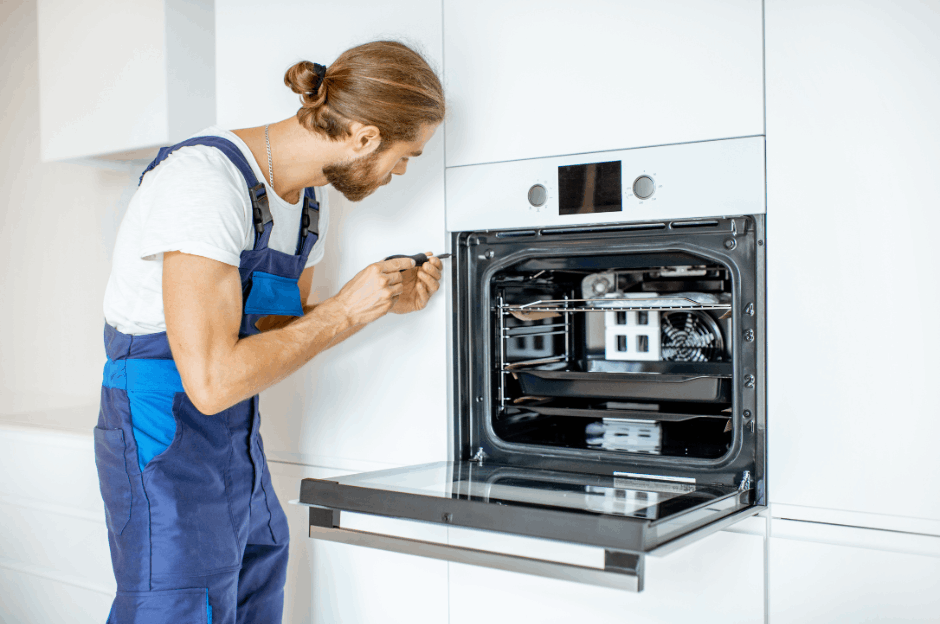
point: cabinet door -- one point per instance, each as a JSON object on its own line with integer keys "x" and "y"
{"x": 118, "y": 77}
{"x": 718, "y": 580}
{"x": 533, "y": 78}
{"x": 853, "y": 146}
{"x": 816, "y": 582}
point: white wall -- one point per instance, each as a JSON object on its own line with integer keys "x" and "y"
{"x": 56, "y": 234}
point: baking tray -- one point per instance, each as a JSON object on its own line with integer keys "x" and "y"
{"x": 706, "y": 382}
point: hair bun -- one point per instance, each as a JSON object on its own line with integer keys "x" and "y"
{"x": 304, "y": 79}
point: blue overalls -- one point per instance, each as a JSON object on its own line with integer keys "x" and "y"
{"x": 196, "y": 531}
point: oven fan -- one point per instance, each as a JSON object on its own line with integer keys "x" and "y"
{"x": 690, "y": 337}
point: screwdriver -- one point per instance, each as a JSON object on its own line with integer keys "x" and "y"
{"x": 419, "y": 258}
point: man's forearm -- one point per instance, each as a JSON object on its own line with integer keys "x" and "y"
{"x": 257, "y": 362}
{"x": 274, "y": 321}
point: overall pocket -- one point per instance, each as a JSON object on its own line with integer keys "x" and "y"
{"x": 113, "y": 480}
{"x": 175, "y": 606}
{"x": 273, "y": 294}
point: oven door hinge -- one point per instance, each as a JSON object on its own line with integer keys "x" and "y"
{"x": 480, "y": 456}
{"x": 745, "y": 484}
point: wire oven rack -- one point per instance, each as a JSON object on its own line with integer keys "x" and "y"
{"x": 565, "y": 307}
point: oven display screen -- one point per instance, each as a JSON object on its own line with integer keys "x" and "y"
{"x": 586, "y": 189}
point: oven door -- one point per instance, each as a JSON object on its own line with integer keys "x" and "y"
{"x": 619, "y": 519}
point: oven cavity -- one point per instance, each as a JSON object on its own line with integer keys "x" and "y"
{"x": 617, "y": 359}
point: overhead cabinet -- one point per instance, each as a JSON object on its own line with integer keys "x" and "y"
{"x": 117, "y": 77}
{"x": 534, "y": 78}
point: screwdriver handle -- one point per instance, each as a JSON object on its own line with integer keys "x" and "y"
{"x": 419, "y": 258}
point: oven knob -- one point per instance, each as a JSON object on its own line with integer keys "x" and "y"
{"x": 643, "y": 187}
{"x": 537, "y": 195}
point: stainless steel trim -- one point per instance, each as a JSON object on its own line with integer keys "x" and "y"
{"x": 705, "y": 531}
{"x": 613, "y": 577}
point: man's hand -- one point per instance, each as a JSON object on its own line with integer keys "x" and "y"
{"x": 418, "y": 284}
{"x": 373, "y": 291}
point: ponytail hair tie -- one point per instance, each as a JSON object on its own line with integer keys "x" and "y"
{"x": 320, "y": 71}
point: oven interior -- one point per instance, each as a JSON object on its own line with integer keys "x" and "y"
{"x": 616, "y": 351}
{"x": 621, "y": 360}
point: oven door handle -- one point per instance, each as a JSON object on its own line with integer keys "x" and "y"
{"x": 621, "y": 570}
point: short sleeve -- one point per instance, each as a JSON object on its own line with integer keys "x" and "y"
{"x": 196, "y": 202}
{"x": 323, "y": 224}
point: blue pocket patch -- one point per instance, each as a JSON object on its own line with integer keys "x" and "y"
{"x": 273, "y": 294}
{"x": 154, "y": 423}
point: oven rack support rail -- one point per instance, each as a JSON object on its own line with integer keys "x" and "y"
{"x": 552, "y": 329}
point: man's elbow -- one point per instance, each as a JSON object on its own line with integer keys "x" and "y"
{"x": 205, "y": 396}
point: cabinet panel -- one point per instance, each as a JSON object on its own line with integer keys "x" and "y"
{"x": 719, "y": 579}
{"x": 815, "y": 582}
{"x": 853, "y": 144}
{"x": 254, "y": 48}
{"x": 32, "y": 599}
{"x": 381, "y": 396}
{"x": 535, "y": 78}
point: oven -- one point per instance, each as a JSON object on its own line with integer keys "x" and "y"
{"x": 608, "y": 367}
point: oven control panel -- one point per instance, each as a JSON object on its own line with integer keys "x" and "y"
{"x": 689, "y": 180}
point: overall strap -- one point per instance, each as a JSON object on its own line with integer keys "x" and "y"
{"x": 309, "y": 219}
{"x": 261, "y": 213}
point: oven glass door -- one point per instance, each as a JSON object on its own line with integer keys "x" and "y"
{"x": 617, "y": 513}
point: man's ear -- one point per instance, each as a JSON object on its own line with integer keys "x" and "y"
{"x": 365, "y": 139}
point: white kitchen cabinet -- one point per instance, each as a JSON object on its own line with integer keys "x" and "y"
{"x": 535, "y": 78}
{"x": 118, "y": 77}
{"x": 329, "y": 583}
{"x": 378, "y": 399}
{"x": 817, "y": 582}
{"x": 54, "y": 541}
{"x": 719, "y": 579}
{"x": 852, "y": 153}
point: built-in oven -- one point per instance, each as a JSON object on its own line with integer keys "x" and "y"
{"x": 608, "y": 359}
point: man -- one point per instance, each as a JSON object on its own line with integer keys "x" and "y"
{"x": 207, "y": 305}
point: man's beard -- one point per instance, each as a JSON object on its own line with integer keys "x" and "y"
{"x": 356, "y": 179}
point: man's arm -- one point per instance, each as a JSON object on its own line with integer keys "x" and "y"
{"x": 203, "y": 305}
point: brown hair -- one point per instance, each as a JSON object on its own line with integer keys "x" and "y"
{"x": 384, "y": 84}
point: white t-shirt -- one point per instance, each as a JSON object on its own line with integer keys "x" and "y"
{"x": 195, "y": 201}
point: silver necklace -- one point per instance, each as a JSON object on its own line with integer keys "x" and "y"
{"x": 267, "y": 143}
